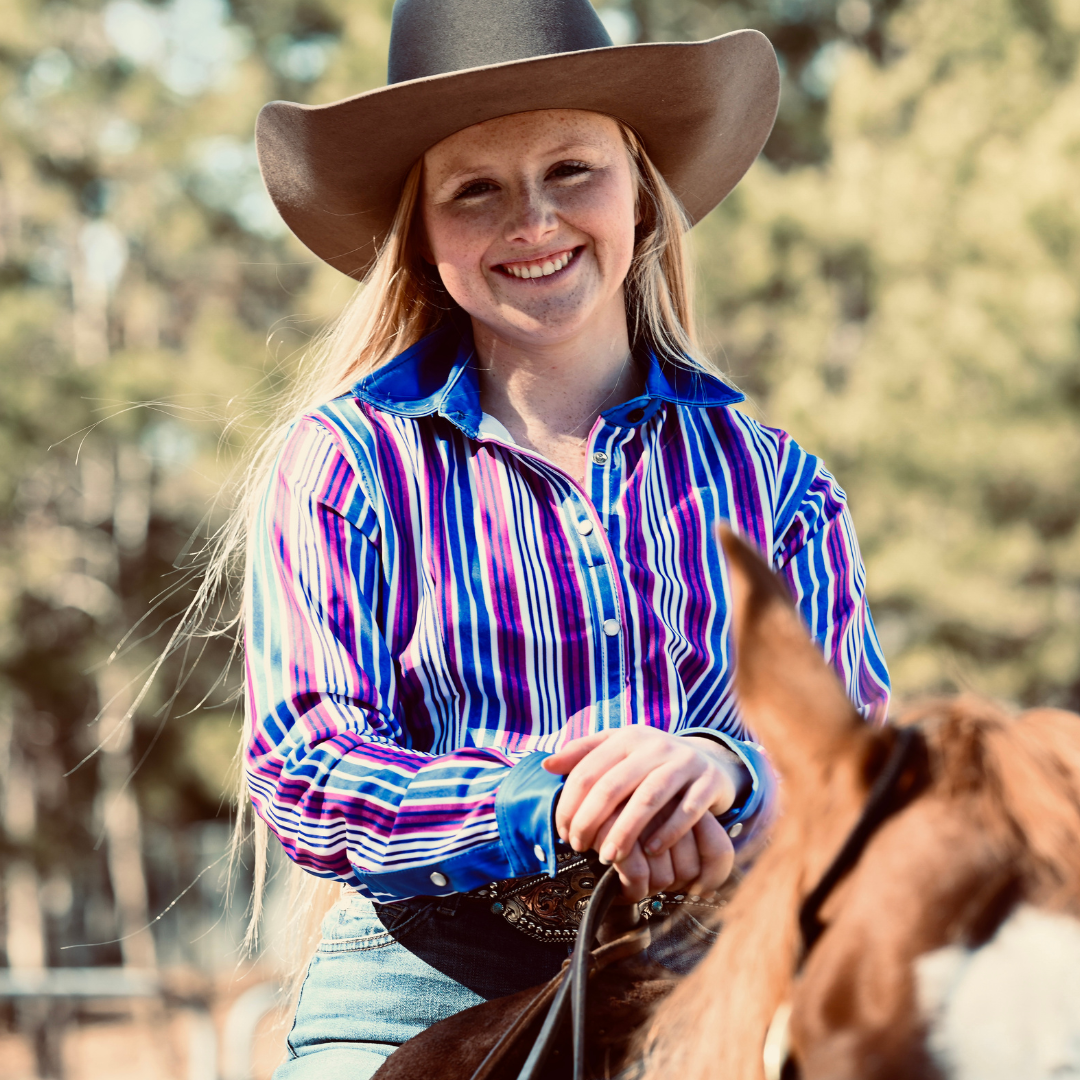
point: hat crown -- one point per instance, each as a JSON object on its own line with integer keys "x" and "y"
{"x": 435, "y": 37}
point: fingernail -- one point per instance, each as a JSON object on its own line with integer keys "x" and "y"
{"x": 608, "y": 854}
{"x": 653, "y": 847}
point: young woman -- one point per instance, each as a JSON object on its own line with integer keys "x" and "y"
{"x": 487, "y": 613}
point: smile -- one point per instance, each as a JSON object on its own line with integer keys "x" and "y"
{"x": 545, "y": 267}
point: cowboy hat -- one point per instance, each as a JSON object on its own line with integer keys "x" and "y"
{"x": 702, "y": 109}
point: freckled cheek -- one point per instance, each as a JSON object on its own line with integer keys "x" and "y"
{"x": 608, "y": 219}
{"x": 458, "y": 249}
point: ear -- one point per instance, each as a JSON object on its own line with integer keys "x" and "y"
{"x": 790, "y": 698}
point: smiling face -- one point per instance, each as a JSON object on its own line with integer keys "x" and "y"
{"x": 530, "y": 221}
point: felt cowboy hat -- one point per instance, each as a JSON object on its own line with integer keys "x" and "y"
{"x": 703, "y": 110}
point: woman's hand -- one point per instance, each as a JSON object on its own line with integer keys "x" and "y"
{"x": 645, "y": 800}
{"x": 698, "y": 863}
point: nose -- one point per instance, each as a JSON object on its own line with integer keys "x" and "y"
{"x": 532, "y": 216}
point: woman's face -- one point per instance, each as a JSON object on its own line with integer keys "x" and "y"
{"x": 530, "y": 221}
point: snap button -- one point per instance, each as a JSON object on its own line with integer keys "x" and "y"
{"x": 438, "y": 880}
{"x": 540, "y": 853}
{"x": 600, "y": 457}
{"x": 735, "y": 830}
{"x": 584, "y": 527}
{"x": 611, "y": 627}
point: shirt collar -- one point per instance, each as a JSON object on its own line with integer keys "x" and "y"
{"x": 438, "y": 375}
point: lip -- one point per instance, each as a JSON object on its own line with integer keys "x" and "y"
{"x": 502, "y": 268}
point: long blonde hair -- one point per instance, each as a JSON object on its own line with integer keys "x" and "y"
{"x": 399, "y": 301}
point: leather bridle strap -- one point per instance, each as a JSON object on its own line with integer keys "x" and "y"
{"x": 574, "y": 984}
{"x": 887, "y": 796}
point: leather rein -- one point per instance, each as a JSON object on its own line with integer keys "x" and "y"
{"x": 902, "y": 778}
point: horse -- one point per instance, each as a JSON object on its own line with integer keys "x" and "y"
{"x": 914, "y": 913}
{"x": 951, "y": 948}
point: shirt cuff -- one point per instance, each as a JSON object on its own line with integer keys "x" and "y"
{"x": 525, "y": 813}
{"x": 743, "y": 820}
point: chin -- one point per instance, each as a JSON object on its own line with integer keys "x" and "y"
{"x": 535, "y": 328}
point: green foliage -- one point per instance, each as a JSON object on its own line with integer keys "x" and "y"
{"x": 910, "y": 310}
{"x": 896, "y": 283}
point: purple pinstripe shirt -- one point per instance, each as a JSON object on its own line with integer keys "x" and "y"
{"x": 433, "y": 610}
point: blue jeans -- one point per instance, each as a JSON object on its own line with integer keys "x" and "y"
{"x": 385, "y": 972}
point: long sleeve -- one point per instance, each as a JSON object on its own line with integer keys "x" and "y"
{"x": 330, "y": 762}
{"x": 815, "y": 549}
{"x": 817, "y": 552}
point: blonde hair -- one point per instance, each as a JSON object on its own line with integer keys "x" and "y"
{"x": 399, "y": 301}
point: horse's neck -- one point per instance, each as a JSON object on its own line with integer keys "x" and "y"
{"x": 1010, "y": 1009}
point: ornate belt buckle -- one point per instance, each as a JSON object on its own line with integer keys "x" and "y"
{"x": 551, "y": 909}
{"x": 543, "y": 908}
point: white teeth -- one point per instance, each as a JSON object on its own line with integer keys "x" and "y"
{"x": 541, "y": 269}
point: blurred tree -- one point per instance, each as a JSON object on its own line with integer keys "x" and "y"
{"x": 896, "y": 284}
{"x": 142, "y": 268}
{"x": 147, "y": 289}
{"x": 910, "y": 310}
{"x": 811, "y": 38}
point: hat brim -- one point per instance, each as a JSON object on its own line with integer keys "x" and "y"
{"x": 703, "y": 110}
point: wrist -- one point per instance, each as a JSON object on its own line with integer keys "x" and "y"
{"x": 742, "y": 780}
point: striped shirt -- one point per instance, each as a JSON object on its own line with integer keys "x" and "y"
{"x": 432, "y": 610}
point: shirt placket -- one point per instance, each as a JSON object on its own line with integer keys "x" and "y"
{"x": 588, "y": 509}
{"x": 603, "y": 481}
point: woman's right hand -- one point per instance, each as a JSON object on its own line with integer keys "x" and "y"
{"x": 698, "y": 863}
{"x": 646, "y": 800}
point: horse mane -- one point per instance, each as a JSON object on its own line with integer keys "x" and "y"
{"x": 1027, "y": 768}
{"x": 1025, "y": 772}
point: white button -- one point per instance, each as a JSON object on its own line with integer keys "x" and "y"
{"x": 600, "y": 457}
{"x": 540, "y": 853}
{"x": 611, "y": 627}
{"x": 438, "y": 880}
{"x": 584, "y": 527}
{"x": 735, "y": 830}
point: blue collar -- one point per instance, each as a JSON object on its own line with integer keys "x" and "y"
{"x": 438, "y": 375}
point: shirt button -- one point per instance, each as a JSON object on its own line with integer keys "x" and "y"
{"x": 735, "y": 830}
{"x": 540, "y": 853}
{"x": 611, "y": 627}
{"x": 584, "y": 527}
{"x": 438, "y": 880}
{"x": 600, "y": 457}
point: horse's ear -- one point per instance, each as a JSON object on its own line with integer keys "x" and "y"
{"x": 790, "y": 698}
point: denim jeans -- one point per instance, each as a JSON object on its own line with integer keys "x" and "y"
{"x": 384, "y": 972}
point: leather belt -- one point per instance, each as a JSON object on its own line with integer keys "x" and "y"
{"x": 551, "y": 909}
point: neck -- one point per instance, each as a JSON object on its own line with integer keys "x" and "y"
{"x": 549, "y": 394}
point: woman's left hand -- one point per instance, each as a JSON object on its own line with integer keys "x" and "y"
{"x": 618, "y": 781}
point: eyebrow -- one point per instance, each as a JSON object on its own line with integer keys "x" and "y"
{"x": 555, "y": 151}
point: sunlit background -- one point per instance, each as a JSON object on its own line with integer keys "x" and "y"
{"x": 896, "y": 283}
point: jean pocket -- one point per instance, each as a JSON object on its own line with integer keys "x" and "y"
{"x": 354, "y": 924}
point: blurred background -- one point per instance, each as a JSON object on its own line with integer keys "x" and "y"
{"x": 896, "y": 282}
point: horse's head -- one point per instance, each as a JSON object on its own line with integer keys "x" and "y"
{"x": 996, "y": 822}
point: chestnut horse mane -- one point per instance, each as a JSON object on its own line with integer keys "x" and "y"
{"x": 1024, "y": 771}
